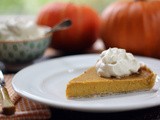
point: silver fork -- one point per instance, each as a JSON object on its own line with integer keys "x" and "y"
{"x": 8, "y": 107}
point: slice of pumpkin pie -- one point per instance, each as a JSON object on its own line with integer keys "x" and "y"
{"x": 115, "y": 72}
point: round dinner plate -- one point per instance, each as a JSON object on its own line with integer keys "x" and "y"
{"x": 46, "y": 82}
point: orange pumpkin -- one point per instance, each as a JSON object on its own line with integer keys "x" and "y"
{"x": 83, "y": 32}
{"x": 133, "y": 25}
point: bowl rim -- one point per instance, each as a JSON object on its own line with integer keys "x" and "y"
{"x": 31, "y": 40}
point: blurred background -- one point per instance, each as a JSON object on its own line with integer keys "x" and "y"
{"x": 32, "y": 7}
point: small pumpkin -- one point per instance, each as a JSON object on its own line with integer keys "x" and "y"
{"x": 133, "y": 25}
{"x": 83, "y": 32}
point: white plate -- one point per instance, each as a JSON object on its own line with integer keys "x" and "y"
{"x": 46, "y": 83}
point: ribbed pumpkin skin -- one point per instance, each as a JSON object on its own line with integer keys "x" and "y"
{"x": 134, "y": 26}
{"x": 83, "y": 32}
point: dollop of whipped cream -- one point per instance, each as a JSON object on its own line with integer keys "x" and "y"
{"x": 20, "y": 29}
{"x": 117, "y": 63}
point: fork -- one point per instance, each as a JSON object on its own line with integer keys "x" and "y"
{"x": 8, "y": 107}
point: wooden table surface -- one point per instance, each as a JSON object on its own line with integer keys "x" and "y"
{"x": 58, "y": 114}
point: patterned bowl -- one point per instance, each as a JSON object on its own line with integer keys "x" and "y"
{"x": 21, "y": 51}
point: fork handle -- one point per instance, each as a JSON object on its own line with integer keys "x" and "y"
{"x": 8, "y": 107}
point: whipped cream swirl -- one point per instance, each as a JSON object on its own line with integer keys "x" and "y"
{"x": 117, "y": 63}
{"x": 20, "y": 29}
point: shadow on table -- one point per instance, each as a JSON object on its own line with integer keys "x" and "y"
{"x": 143, "y": 114}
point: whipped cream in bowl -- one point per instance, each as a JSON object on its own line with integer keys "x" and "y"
{"x": 22, "y": 41}
{"x": 21, "y": 29}
{"x": 117, "y": 63}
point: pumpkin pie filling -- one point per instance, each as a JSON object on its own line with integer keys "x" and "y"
{"x": 89, "y": 83}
